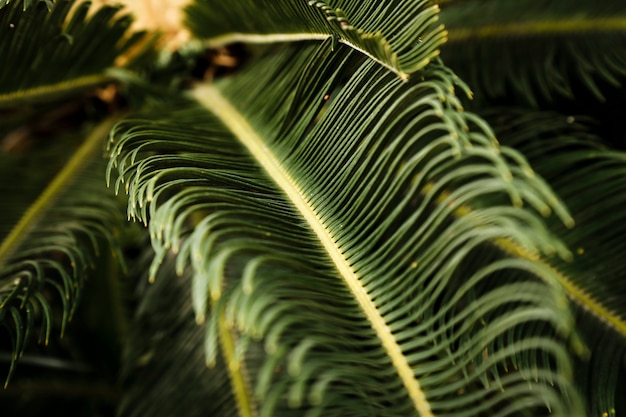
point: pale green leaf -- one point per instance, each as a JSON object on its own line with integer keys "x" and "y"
{"x": 368, "y": 232}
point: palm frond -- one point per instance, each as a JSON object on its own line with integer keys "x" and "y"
{"x": 53, "y": 56}
{"x": 163, "y": 337}
{"x": 590, "y": 177}
{"x": 402, "y": 35}
{"x": 366, "y": 231}
{"x": 537, "y": 51}
{"x": 46, "y": 256}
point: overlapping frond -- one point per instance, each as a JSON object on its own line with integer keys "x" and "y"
{"x": 366, "y": 231}
{"x": 591, "y": 179}
{"x": 46, "y": 256}
{"x": 164, "y": 337}
{"x": 49, "y": 56}
{"x": 402, "y": 35}
{"x": 536, "y": 50}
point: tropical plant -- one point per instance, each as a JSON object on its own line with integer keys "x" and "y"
{"x": 314, "y": 208}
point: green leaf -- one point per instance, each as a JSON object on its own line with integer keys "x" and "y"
{"x": 402, "y": 35}
{"x": 163, "y": 337}
{"x": 536, "y": 50}
{"x": 46, "y": 257}
{"x": 368, "y": 232}
{"x": 51, "y": 56}
{"x": 591, "y": 179}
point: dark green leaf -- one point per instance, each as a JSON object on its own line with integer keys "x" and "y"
{"x": 536, "y": 50}
{"x": 591, "y": 179}
{"x": 48, "y": 56}
{"x": 46, "y": 257}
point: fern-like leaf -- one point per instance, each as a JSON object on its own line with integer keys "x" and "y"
{"x": 53, "y": 56}
{"x": 404, "y": 47}
{"x": 364, "y": 230}
{"x": 537, "y": 51}
{"x": 164, "y": 337}
{"x": 47, "y": 255}
{"x": 590, "y": 177}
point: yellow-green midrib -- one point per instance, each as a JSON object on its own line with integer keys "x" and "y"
{"x": 215, "y": 102}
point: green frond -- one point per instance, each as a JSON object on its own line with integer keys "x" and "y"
{"x": 402, "y": 35}
{"x": 163, "y": 337}
{"x": 52, "y": 56}
{"x": 46, "y": 256}
{"x": 591, "y": 179}
{"x": 536, "y": 50}
{"x": 367, "y": 232}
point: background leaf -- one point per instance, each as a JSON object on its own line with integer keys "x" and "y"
{"x": 537, "y": 51}
{"x": 53, "y": 56}
{"x": 164, "y": 336}
{"x": 583, "y": 169}
{"x": 46, "y": 256}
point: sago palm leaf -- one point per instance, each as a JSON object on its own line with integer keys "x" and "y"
{"x": 402, "y": 35}
{"x": 46, "y": 256}
{"x": 367, "y": 232}
{"x": 592, "y": 181}
{"x": 163, "y": 337}
{"x": 49, "y": 55}
{"x": 536, "y": 50}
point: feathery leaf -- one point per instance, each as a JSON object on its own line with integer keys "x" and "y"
{"x": 164, "y": 336}
{"x": 51, "y": 248}
{"x": 402, "y": 35}
{"x": 591, "y": 179}
{"x": 51, "y": 56}
{"x": 536, "y": 50}
{"x": 365, "y": 230}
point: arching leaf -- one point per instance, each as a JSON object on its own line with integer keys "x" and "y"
{"x": 536, "y": 50}
{"x": 53, "y": 56}
{"x": 591, "y": 179}
{"x": 402, "y": 35}
{"x": 47, "y": 255}
{"x": 366, "y": 231}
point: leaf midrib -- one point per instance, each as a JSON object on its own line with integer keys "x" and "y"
{"x": 575, "y": 293}
{"x": 212, "y": 100}
{"x": 261, "y": 38}
{"x": 236, "y": 370}
{"x": 46, "y": 92}
{"x": 60, "y": 184}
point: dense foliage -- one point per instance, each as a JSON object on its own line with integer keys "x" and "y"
{"x": 313, "y": 208}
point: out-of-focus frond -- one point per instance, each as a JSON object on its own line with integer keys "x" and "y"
{"x": 164, "y": 337}
{"x": 49, "y": 252}
{"x": 591, "y": 179}
{"x": 536, "y": 50}
{"x": 48, "y": 56}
